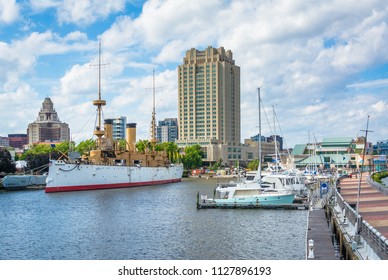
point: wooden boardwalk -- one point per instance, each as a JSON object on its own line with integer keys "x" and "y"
{"x": 318, "y": 230}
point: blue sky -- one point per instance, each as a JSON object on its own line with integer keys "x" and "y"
{"x": 323, "y": 65}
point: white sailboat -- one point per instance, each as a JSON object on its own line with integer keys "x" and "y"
{"x": 282, "y": 179}
{"x": 249, "y": 192}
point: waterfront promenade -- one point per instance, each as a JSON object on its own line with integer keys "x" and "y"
{"x": 373, "y": 209}
{"x": 373, "y": 204}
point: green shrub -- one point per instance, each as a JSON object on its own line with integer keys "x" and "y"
{"x": 379, "y": 175}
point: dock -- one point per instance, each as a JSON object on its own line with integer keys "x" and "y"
{"x": 357, "y": 235}
{"x": 294, "y": 206}
{"x": 318, "y": 231}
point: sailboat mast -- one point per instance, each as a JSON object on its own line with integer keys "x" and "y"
{"x": 259, "y": 167}
{"x": 274, "y": 140}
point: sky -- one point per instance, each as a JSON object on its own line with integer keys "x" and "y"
{"x": 322, "y": 66}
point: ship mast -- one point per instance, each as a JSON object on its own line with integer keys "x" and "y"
{"x": 153, "y": 121}
{"x": 99, "y": 102}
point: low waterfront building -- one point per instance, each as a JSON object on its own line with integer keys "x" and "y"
{"x": 4, "y": 141}
{"x": 333, "y": 152}
{"x": 232, "y": 154}
{"x": 18, "y": 140}
{"x": 381, "y": 147}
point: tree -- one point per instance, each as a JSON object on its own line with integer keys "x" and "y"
{"x": 38, "y": 162}
{"x": 172, "y": 150}
{"x": 38, "y": 157}
{"x": 84, "y": 147}
{"x": 217, "y": 165}
{"x": 64, "y": 147}
{"x": 122, "y": 144}
{"x": 192, "y": 157}
{"x": 143, "y": 145}
{"x": 253, "y": 165}
{"x": 6, "y": 164}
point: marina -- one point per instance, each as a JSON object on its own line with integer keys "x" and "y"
{"x": 324, "y": 230}
{"x": 144, "y": 223}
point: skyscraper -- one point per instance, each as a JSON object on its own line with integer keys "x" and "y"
{"x": 118, "y": 127}
{"x": 209, "y": 98}
{"x": 48, "y": 127}
{"x": 167, "y": 130}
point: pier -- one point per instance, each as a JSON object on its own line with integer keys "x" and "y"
{"x": 358, "y": 234}
{"x": 319, "y": 240}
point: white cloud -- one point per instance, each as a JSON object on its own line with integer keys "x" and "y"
{"x": 14, "y": 114}
{"x": 380, "y": 107}
{"x": 370, "y": 84}
{"x": 39, "y": 5}
{"x": 279, "y": 45}
{"x": 76, "y": 36}
{"x": 298, "y": 51}
{"x": 20, "y": 56}
{"x": 87, "y": 11}
{"x": 9, "y": 11}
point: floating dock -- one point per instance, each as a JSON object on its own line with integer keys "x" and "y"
{"x": 293, "y": 206}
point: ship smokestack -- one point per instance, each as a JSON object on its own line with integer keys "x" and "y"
{"x": 131, "y": 136}
{"x": 108, "y": 127}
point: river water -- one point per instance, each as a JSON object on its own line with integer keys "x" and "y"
{"x": 144, "y": 223}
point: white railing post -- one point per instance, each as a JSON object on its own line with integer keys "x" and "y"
{"x": 311, "y": 249}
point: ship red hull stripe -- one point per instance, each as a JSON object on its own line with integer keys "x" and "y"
{"x": 107, "y": 186}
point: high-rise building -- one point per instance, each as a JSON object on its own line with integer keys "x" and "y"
{"x": 48, "y": 127}
{"x": 118, "y": 127}
{"x": 167, "y": 130}
{"x": 208, "y": 98}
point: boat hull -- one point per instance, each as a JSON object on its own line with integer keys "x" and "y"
{"x": 64, "y": 177}
{"x": 272, "y": 199}
{"x": 22, "y": 182}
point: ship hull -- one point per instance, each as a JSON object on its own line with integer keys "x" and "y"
{"x": 64, "y": 177}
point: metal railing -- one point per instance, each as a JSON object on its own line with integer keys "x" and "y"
{"x": 381, "y": 188}
{"x": 374, "y": 238}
